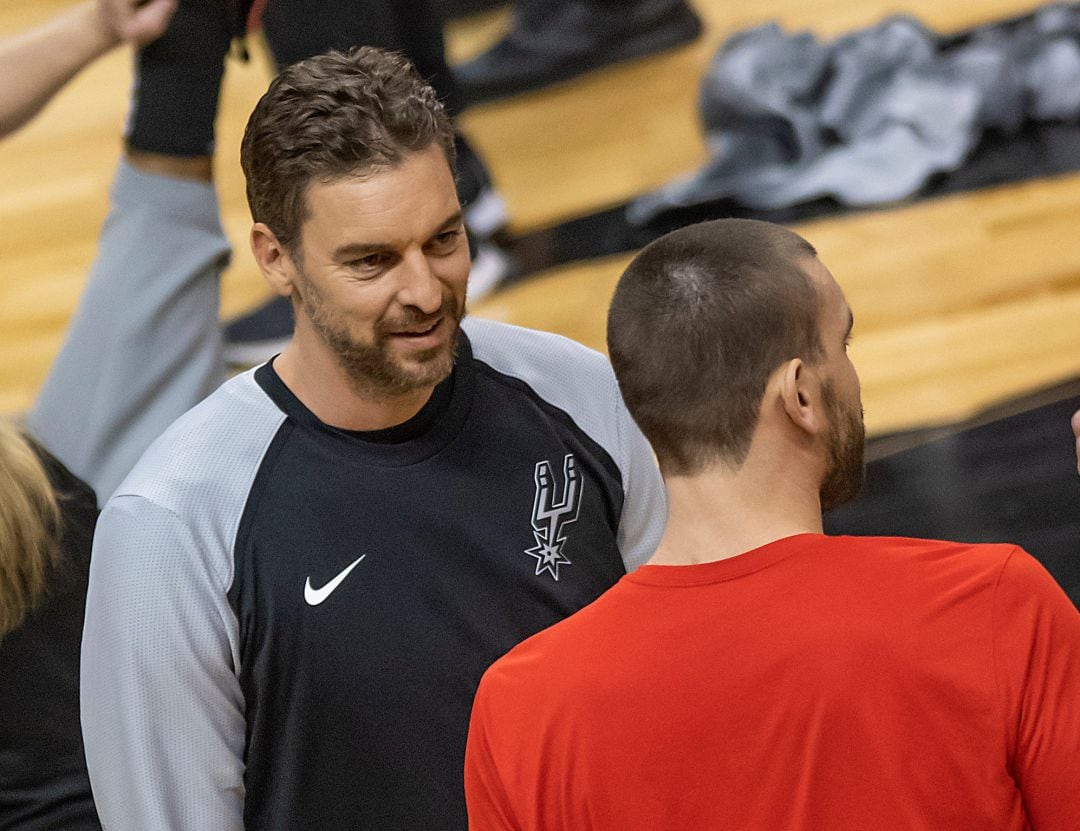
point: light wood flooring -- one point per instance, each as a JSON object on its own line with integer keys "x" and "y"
{"x": 960, "y": 302}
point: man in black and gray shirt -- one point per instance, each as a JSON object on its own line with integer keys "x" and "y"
{"x": 295, "y": 592}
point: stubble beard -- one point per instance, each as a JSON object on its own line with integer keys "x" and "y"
{"x": 845, "y": 444}
{"x": 371, "y": 367}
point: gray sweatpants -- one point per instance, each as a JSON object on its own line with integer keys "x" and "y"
{"x": 145, "y": 343}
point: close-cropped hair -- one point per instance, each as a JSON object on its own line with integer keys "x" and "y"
{"x": 334, "y": 115}
{"x": 29, "y": 528}
{"x": 699, "y": 321}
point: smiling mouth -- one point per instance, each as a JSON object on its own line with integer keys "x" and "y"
{"x": 419, "y": 333}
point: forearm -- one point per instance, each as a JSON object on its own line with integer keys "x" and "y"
{"x": 36, "y": 64}
{"x": 102, "y": 406}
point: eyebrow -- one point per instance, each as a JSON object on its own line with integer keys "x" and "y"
{"x": 362, "y": 249}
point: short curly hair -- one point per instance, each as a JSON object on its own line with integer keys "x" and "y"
{"x": 333, "y": 115}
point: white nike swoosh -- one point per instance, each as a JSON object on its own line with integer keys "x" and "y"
{"x": 316, "y": 596}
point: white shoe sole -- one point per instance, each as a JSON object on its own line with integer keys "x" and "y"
{"x": 489, "y": 268}
{"x": 486, "y": 215}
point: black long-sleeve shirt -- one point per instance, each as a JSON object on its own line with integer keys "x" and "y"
{"x": 43, "y": 780}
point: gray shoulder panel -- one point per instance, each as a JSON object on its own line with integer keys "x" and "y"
{"x": 202, "y": 467}
{"x": 162, "y": 709}
{"x": 579, "y": 381}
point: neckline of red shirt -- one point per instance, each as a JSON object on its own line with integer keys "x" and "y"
{"x": 739, "y": 565}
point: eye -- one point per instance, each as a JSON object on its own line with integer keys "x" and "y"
{"x": 447, "y": 241}
{"x": 847, "y": 340}
{"x": 369, "y": 263}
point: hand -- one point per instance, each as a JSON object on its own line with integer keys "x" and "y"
{"x": 1076, "y": 432}
{"x": 136, "y": 21}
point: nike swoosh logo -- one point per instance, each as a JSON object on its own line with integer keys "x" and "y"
{"x": 315, "y": 596}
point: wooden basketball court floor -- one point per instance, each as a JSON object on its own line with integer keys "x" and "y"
{"x": 961, "y": 302}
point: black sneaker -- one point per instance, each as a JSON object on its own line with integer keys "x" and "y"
{"x": 492, "y": 265}
{"x": 485, "y": 211}
{"x": 550, "y": 42}
{"x": 257, "y": 336}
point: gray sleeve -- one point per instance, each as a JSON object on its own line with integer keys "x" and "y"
{"x": 644, "y": 515}
{"x": 162, "y": 709}
{"x": 144, "y": 345}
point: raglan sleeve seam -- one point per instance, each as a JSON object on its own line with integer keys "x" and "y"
{"x": 619, "y": 411}
{"x": 224, "y": 579}
{"x": 644, "y": 497}
{"x": 1036, "y": 671}
{"x": 1010, "y": 732}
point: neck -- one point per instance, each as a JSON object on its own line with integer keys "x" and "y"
{"x": 721, "y": 513}
{"x": 316, "y": 378}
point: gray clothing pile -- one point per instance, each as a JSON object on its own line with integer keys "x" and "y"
{"x": 870, "y": 117}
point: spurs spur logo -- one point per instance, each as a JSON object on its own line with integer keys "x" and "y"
{"x": 552, "y": 512}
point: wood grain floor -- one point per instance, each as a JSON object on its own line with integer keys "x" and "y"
{"x": 960, "y": 302}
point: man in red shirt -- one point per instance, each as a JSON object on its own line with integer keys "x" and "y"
{"x": 756, "y": 674}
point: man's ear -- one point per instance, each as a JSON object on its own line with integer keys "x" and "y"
{"x": 800, "y": 392}
{"x": 273, "y": 259}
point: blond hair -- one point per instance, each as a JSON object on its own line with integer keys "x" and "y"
{"x": 29, "y": 528}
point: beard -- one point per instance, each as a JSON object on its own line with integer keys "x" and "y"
{"x": 844, "y": 443}
{"x": 372, "y": 366}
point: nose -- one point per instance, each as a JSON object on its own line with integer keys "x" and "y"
{"x": 420, "y": 287}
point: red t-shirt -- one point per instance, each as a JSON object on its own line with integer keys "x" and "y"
{"x": 826, "y": 683}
